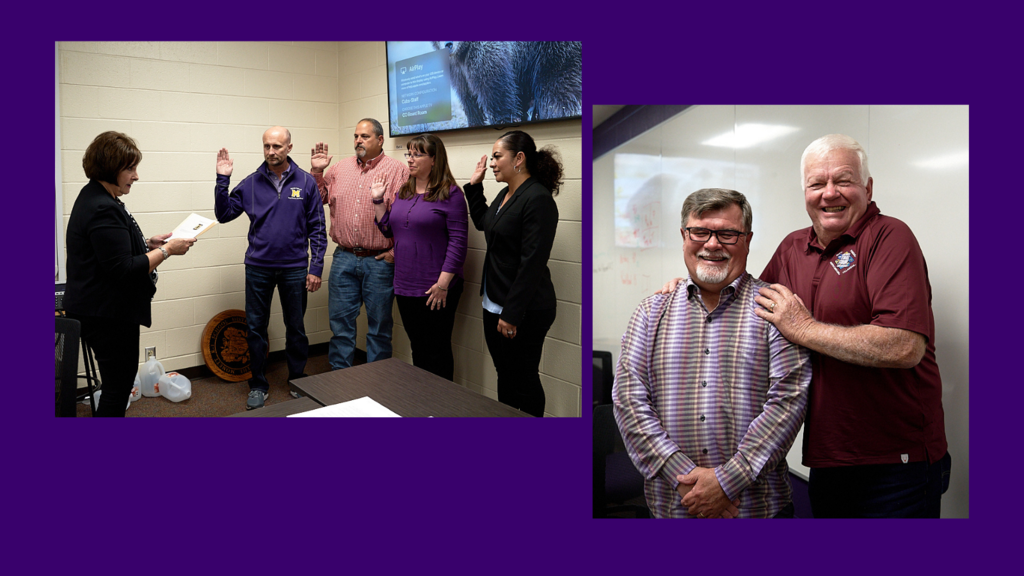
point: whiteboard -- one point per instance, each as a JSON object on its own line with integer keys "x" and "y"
{"x": 59, "y": 272}
{"x": 918, "y": 157}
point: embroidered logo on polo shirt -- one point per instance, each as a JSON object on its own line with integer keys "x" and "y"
{"x": 844, "y": 262}
{"x": 297, "y": 193}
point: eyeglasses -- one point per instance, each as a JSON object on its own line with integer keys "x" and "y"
{"x": 724, "y": 236}
{"x": 415, "y": 155}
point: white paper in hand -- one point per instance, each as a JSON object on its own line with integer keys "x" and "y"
{"x": 192, "y": 227}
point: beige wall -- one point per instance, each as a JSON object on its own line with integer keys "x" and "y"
{"x": 184, "y": 101}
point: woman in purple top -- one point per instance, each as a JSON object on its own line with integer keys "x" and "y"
{"x": 428, "y": 221}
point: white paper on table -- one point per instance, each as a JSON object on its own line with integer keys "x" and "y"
{"x": 364, "y": 407}
{"x": 192, "y": 227}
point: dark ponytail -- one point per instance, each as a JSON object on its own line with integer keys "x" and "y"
{"x": 544, "y": 165}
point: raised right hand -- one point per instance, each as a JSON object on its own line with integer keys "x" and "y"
{"x": 378, "y": 187}
{"x": 478, "y": 174}
{"x": 319, "y": 158}
{"x": 224, "y": 163}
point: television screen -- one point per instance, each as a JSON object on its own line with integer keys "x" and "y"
{"x": 438, "y": 86}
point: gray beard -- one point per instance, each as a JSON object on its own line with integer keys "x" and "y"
{"x": 711, "y": 275}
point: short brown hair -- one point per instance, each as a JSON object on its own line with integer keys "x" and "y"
{"x": 707, "y": 199}
{"x": 108, "y": 154}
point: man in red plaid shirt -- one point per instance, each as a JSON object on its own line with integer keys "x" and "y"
{"x": 362, "y": 270}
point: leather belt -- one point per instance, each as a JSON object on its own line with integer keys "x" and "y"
{"x": 362, "y": 252}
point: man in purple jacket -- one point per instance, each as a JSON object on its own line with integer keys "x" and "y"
{"x": 286, "y": 225}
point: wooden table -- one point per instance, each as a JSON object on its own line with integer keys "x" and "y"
{"x": 404, "y": 389}
{"x": 281, "y": 409}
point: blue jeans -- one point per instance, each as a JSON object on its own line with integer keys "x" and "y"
{"x": 354, "y": 281}
{"x": 259, "y": 292}
{"x": 912, "y": 490}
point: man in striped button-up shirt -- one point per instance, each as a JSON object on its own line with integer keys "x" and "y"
{"x": 709, "y": 396}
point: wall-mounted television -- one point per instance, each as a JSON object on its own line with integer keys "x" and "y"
{"x": 447, "y": 85}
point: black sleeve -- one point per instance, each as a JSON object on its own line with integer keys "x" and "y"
{"x": 477, "y": 203}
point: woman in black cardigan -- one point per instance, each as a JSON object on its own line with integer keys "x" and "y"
{"x": 518, "y": 296}
{"x": 112, "y": 266}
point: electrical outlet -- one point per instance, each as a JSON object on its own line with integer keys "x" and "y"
{"x": 150, "y": 352}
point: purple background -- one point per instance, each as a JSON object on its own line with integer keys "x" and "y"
{"x": 473, "y": 495}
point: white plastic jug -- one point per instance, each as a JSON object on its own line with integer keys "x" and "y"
{"x": 136, "y": 391}
{"x": 149, "y": 374}
{"x": 174, "y": 387}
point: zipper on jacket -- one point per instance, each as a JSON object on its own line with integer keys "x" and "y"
{"x": 267, "y": 176}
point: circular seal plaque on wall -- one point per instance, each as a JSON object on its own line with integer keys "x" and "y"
{"x": 225, "y": 349}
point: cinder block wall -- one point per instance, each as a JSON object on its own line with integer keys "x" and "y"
{"x": 184, "y": 101}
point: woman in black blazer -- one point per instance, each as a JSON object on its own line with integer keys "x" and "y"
{"x": 112, "y": 266}
{"x": 518, "y": 296}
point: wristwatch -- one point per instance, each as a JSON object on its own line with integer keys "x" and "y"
{"x": 376, "y": 201}
{"x": 164, "y": 250}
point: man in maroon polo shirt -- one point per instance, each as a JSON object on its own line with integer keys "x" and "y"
{"x": 854, "y": 289}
